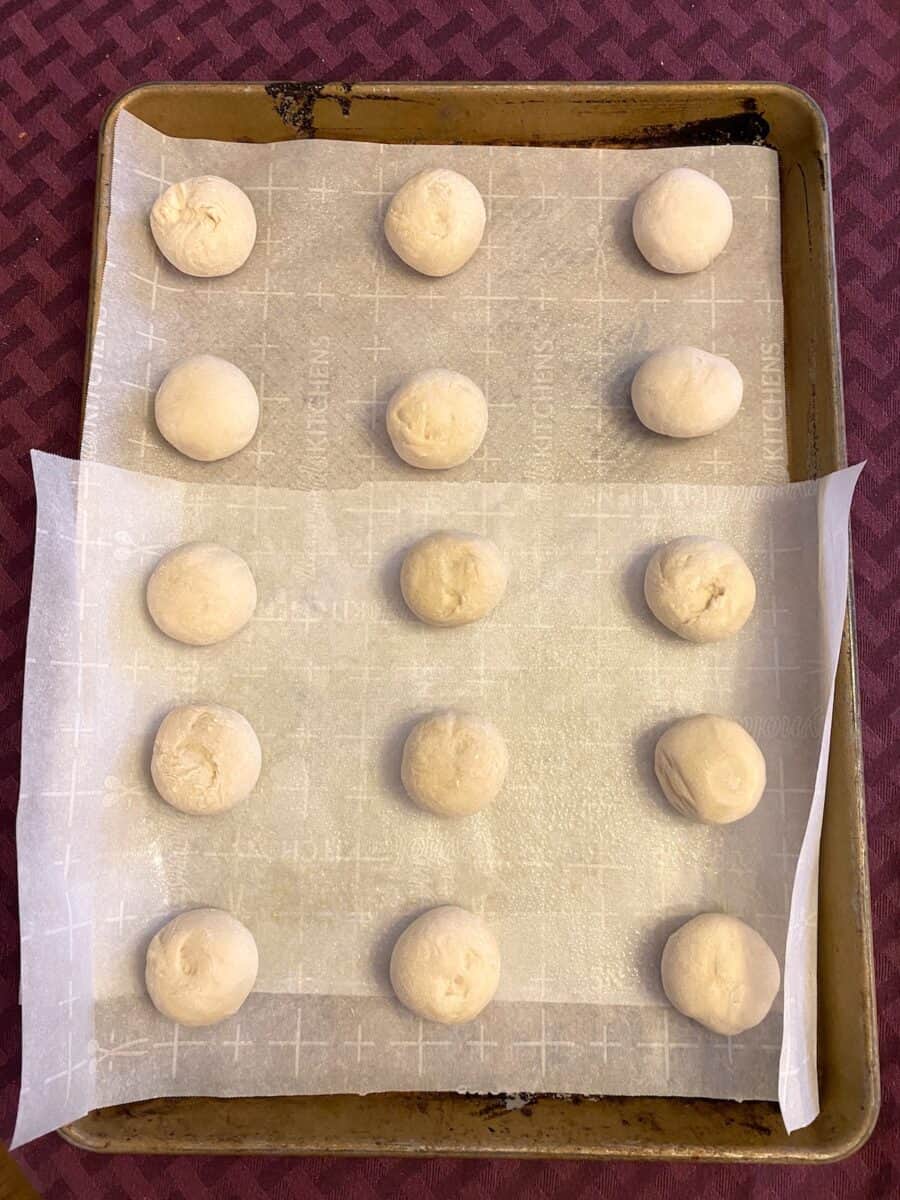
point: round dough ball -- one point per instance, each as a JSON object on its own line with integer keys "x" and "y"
{"x": 721, "y": 973}
{"x": 710, "y": 768}
{"x": 204, "y": 226}
{"x": 686, "y": 393}
{"x": 201, "y": 967}
{"x": 206, "y": 758}
{"x": 699, "y": 588}
{"x": 682, "y": 221}
{"x": 436, "y": 221}
{"x": 454, "y": 763}
{"x": 451, "y": 578}
{"x": 201, "y": 593}
{"x": 207, "y": 408}
{"x": 437, "y": 419}
{"x": 445, "y": 966}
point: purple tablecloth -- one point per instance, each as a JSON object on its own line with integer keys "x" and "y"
{"x": 61, "y": 64}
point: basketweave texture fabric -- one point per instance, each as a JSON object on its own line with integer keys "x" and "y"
{"x": 60, "y": 69}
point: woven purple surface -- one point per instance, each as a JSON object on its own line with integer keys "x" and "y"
{"x": 59, "y": 72}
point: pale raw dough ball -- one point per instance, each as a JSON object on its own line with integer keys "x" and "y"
{"x": 681, "y": 221}
{"x": 437, "y": 419}
{"x": 451, "y": 578}
{"x": 445, "y": 966}
{"x": 204, "y": 226}
{"x": 454, "y": 763}
{"x": 686, "y": 393}
{"x": 207, "y": 408}
{"x": 699, "y": 588}
{"x": 201, "y": 967}
{"x": 201, "y": 593}
{"x": 436, "y": 221}
{"x": 721, "y": 973}
{"x": 206, "y": 758}
{"x": 710, "y": 768}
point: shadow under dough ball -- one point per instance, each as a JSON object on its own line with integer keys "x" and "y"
{"x": 201, "y": 593}
{"x": 204, "y": 226}
{"x": 451, "y": 578}
{"x": 682, "y": 221}
{"x": 435, "y": 222}
{"x": 700, "y": 588}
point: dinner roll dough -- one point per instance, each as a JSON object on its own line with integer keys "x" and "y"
{"x": 699, "y": 588}
{"x": 445, "y": 966}
{"x": 204, "y": 226}
{"x": 436, "y": 221}
{"x": 710, "y": 768}
{"x": 686, "y": 393}
{"x": 206, "y": 758}
{"x": 201, "y": 967}
{"x": 454, "y": 763}
{"x": 721, "y": 973}
{"x": 437, "y": 419}
{"x": 201, "y": 593}
{"x": 681, "y": 221}
{"x": 207, "y": 408}
{"x": 451, "y": 578}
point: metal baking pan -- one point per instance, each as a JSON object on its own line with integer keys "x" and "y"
{"x": 592, "y": 114}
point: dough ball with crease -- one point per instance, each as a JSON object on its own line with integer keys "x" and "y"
{"x": 206, "y": 758}
{"x": 720, "y": 972}
{"x": 454, "y": 763}
{"x": 207, "y": 408}
{"x": 710, "y": 768}
{"x": 445, "y": 966}
{"x": 451, "y": 578}
{"x": 682, "y": 221}
{"x": 201, "y": 593}
{"x": 437, "y": 419}
{"x": 201, "y": 967}
{"x": 700, "y": 588}
{"x": 435, "y": 222}
{"x": 204, "y": 226}
{"x": 683, "y": 392}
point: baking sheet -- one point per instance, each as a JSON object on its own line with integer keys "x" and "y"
{"x": 579, "y": 867}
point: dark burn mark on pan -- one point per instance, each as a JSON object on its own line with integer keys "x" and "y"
{"x": 294, "y": 102}
{"x": 738, "y": 129}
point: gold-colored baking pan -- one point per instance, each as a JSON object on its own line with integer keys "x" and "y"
{"x": 592, "y": 114}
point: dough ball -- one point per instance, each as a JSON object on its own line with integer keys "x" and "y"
{"x": 699, "y": 588}
{"x": 454, "y": 763}
{"x": 721, "y": 973}
{"x": 682, "y": 221}
{"x": 710, "y": 768}
{"x": 206, "y": 758}
{"x": 204, "y": 226}
{"x": 201, "y": 593}
{"x": 207, "y": 408}
{"x": 437, "y": 419}
{"x": 445, "y": 966}
{"x": 436, "y": 221}
{"x": 201, "y": 967}
{"x": 451, "y": 578}
{"x": 686, "y": 393}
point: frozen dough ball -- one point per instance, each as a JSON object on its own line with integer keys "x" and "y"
{"x": 207, "y": 408}
{"x": 201, "y": 967}
{"x": 201, "y": 593}
{"x": 451, "y": 578}
{"x": 699, "y": 588}
{"x": 454, "y": 763}
{"x": 437, "y": 419}
{"x": 204, "y": 226}
{"x": 710, "y": 769}
{"x": 206, "y": 758}
{"x": 686, "y": 393}
{"x": 445, "y": 966}
{"x": 721, "y": 973}
{"x": 436, "y": 221}
{"x": 682, "y": 221}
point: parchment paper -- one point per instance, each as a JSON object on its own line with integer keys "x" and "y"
{"x": 580, "y": 868}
